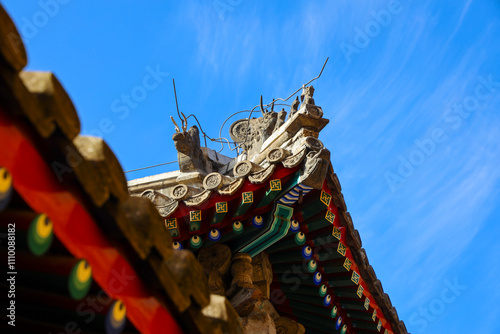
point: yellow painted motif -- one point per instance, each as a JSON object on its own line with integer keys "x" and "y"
{"x": 171, "y": 223}
{"x": 355, "y": 277}
{"x": 341, "y": 249}
{"x": 360, "y": 291}
{"x": 195, "y": 216}
{"x": 380, "y": 326}
{"x": 367, "y": 303}
{"x": 347, "y": 264}
{"x": 325, "y": 198}
{"x": 374, "y": 315}
{"x": 83, "y": 271}
{"x": 329, "y": 216}
{"x": 221, "y": 207}
{"x": 275, "y": 185}
{"x": 336, "y": 233}
{"x": 247, "y": 197}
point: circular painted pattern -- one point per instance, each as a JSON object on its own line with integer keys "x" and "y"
{"x": 317, "y": 278}
{"x": 338, "y": 323}
{"x": 300, "y": 238}
{"x": 5, "y": 188}
{"x": 237, "y": 227}
{"x": 294, "y": 226}
{"x": 80, "y": 280}
{"x": 177, "y": 245}
{"x": 214, "y": 235}
{"x": 312, "y": 265}
{"x": 40, "y": 234}
{"x": 258, "y": 221}
{"x": 307, "y": 252}
{"x": 343, "y": 330}
{"x": 327, "y": 300}
{"x": 195, "y": 242}
{"x": 116, "y": 318}
{"x": 333, "y": 313}
{"x": 323, "y": 290}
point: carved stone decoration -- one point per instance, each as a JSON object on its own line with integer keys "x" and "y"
{"x": 313, "y": 143}
{"x": 281, "y": 119}
{"x": 216, "y": 262}
{"x": 315, "y": 168}
{"x": 156, "y": 198}
{"x": 167, "y": 210}
{"x": 295, "y": 107}
{"x": 189, "y": 153}
{"x": 262, "y": 176}
{"x": 198, "y": 199}
{"x": 180, "y": 192}
{"x": 258, "y": 322}
{"x": 277, "y": 154}
{"x": 213, "y": 181}
{"x": 232, "y": 187}
{"x": 307, "y": 95}
{"x": 286, "y": 325}
{"x": 251, "y": 133}
{"x": 242, "y": 169}
{"x": 240, "y": 130}
{"x": 295, "y": 159}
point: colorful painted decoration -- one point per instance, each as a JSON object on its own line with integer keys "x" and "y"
{"x": 327, "y": 300}
{"x": 317, "y": 278}
{"x": 80, "y": 280}
{"x": 258, "y": 221}
{"x": 5, "y": 188}
{"x": 237, "y": 227}
{"x": 177, "y": 245}
{"x": 343, "y": 330}
{"x": 195, "y": 242}
{"x": 300, "y": 238}
{"x": 116, "y": 318}
{"x": 214, "y": 235}
{"x": 40, "y": 235}
{"x": 323, "y": 290}
{"x": 307, "y": 252}
{"x": 312, "y": 265}
{"x": 333, "y": 314}
{"x": 295, "y": 226}
{"x": 338, "y": 323}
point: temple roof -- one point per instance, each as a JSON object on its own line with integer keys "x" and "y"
{"x": 280, "y": 195}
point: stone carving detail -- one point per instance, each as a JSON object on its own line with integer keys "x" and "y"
{"x": 168, "y": 209}
{"x": 216, "y": 262}
{"x": 295, "y": 107}
{"x": 313, "y": 143}
{"x": 189, "y": 153}
{"x": 164, "y": 205}
{"x": 213, "y": 181}
{"x": 180, "y": 192}
{"x": 262, "y": 176}
{"x": 252, "y": 133}
{"x": 198, "y": 198}
{"x": 277, "y": 154}
{"x": 242, "y": 169}
{"x": 315, "y": 168}
{"x": 295, "y": 159}
{"x": 307, "y": 95}
{"x": 232, "y": 187}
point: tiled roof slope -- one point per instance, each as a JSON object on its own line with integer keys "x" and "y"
{"x": 59, "y": 172}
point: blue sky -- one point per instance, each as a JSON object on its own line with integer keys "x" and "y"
{"x": 412, "y": 89}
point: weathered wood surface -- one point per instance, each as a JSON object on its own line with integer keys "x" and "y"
{"x": 56, "y": 103}
{"x": 11, "y": 45}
